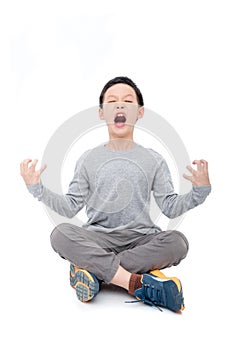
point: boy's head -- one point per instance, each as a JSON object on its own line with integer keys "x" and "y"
{"x": 121, "y": 105}
{"x": 121, "y": 80}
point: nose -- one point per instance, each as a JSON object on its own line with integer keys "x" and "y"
{"x": 120, "y": 106}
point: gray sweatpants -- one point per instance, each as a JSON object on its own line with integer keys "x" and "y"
{"x": 102, "y": 253}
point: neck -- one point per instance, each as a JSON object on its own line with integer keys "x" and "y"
{"x": 120, "y": 144}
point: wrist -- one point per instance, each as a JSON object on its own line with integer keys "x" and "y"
{"x": 36, "y": 189}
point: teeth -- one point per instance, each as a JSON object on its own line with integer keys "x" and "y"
{"x": 120, "y": 115}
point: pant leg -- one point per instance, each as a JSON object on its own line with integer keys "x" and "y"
{"x": 155, "y": 251}
{"x": 86, "y": 249}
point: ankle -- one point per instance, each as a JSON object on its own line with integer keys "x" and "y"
{"x": 121, "y": 278}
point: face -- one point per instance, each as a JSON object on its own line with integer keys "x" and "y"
{"x": 120, "y": 111}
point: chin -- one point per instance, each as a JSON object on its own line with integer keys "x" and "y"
{"x": 122, "y": 132}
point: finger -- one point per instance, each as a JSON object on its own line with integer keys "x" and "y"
{"x": 187, "y": 177}
{"x": 205, "y": 164}
{"x": 42, "y": 169}
{"x": 24, "y": 164}
{"x": 198, "y": 163}
{"x": 192, "y": 171}
{"x": 34, "y": 163}
{"x": 21, "y": 168}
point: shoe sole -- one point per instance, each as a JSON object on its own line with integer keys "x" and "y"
{"x": 159, "y": 274}
{"x": 84, "y": 284}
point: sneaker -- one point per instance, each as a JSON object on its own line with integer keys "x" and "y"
{"x": 159, "y": 274}
{"x": 85, "y": 283}
{"x": 158, "y": 290}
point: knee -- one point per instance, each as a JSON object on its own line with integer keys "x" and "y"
{"x": 56, "y": 235}
{"x": 181, "y": 245}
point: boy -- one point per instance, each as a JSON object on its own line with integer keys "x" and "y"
{"x": 120, "y": 244}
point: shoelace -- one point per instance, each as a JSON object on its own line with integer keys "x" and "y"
{"x": 150, "y": 293}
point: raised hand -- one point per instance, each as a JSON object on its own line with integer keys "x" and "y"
{"x": 199, "y": 177}
{"x": 30, "y": 175}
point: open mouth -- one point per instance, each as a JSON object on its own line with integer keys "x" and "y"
{"x": 120, "y": 119}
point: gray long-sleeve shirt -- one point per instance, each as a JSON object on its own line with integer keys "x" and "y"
{"x": 116, "y": 186}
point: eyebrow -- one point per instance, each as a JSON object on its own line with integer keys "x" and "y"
{"x": 116, "y": 96}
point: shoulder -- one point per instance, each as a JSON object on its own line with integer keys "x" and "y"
{"x": 90, "y": 153}
{"x": 90, "y": 156}
{"x": 157, "y": 157}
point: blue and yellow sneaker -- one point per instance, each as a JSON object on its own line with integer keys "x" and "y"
{"x": 160, "y": 291}
{"x": 85, "y": 283}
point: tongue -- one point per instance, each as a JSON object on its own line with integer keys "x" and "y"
{"x": 120, "y": 120}
{"x": 119, "y": 125}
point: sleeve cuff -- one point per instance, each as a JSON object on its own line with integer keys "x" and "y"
{"x": 36, "y": 190}
{"x": 202, "y": 190}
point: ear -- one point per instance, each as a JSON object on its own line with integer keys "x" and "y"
{"x": 140, "y": 112}
{"x": 101, "y": 115}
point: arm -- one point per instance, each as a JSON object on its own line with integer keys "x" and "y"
{"x": 66, "y": 205}
{"x": 173, "y": 204}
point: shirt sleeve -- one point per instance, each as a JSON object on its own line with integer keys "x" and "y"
{"x": 73, "y": 201}
{"x": 171, "y": 203}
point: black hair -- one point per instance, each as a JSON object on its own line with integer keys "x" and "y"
{"x": 121, "y": 80}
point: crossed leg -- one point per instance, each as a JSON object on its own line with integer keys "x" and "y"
{"x": 94, "y": 252}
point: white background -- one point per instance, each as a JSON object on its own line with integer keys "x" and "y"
{"x": 55, "y": 58}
